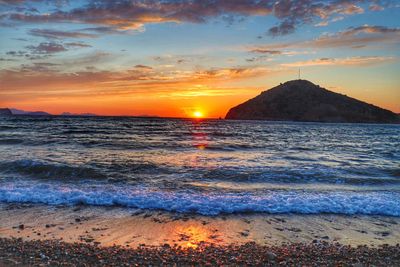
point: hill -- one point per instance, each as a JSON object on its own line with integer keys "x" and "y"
{"x": 32, "y": 113}
{"x": 5, "y": 112}
{"x": 301, "y": 100}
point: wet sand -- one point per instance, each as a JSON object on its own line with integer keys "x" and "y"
{"x": 131, "y": 228}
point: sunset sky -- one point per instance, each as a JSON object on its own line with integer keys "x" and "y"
{"x": 179, "y": 58}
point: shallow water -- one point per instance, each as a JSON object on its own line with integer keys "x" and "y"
{"x": 207, "y": 166}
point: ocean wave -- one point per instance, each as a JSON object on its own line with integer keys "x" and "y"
{"x": 7, "y": 127}
{"x": 46, "y": 170}
{"x": 11, "y": 141}
{"x": 205, "y": 203}
{"x": 147, "y": 171}
{"x": 37, "y": 169}
{"x": 225, "y": 147}
{"x": 313, "y": 175}
{"x": 88, "y": 132}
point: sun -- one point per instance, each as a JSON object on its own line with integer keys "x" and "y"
{"x": 198, "y": 114}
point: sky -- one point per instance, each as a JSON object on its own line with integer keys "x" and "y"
{"x": 176, "y": 58}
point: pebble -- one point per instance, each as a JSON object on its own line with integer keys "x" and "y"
{"x": 271, "y": 255}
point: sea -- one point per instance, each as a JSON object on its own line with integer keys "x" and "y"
{"x": 208, "y": 167}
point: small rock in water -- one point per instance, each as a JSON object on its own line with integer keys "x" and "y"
{"x": 385, "y": 233}
{"x": 280, "y": 220}
{"x": 138, "y": 212}
{"x": 244, "y": 233}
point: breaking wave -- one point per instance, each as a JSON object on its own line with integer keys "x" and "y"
{"x": 205, "y": 203}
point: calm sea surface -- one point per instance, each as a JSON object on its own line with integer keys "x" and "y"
{"x": 207, "y": 167}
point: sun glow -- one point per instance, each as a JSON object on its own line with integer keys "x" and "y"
{"x": 198, "y": 114}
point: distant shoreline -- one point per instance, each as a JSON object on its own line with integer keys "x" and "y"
{"x": 202, "y": 119}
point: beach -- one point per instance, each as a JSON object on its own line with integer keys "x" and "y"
{"x": 156, "y": 237}
{"x": 134, "y": 227}
{"x": 55, "y": 253}
{"x": 153, "y": 191}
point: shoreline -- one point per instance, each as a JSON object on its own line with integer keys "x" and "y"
{"x": 37, "y": 235}
{"x": 108, "y": 226}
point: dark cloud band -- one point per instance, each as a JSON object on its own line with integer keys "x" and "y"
{"x": 133, "y": 14}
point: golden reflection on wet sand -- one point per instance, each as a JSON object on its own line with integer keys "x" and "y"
{"x": 192, "y": 235}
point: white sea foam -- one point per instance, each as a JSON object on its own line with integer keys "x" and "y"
{"x": 206, "y": 203}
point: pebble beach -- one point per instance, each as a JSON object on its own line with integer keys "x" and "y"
{"x": 16, "y": 252}
{"x": 38, "y": 235}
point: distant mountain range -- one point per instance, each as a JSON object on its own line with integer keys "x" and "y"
{"x": 14, "y": 111}
{"x": 301, "y": 100}
{"x": 5, "y": 112}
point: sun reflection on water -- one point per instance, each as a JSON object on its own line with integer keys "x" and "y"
{"x": 200, "y": 137}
